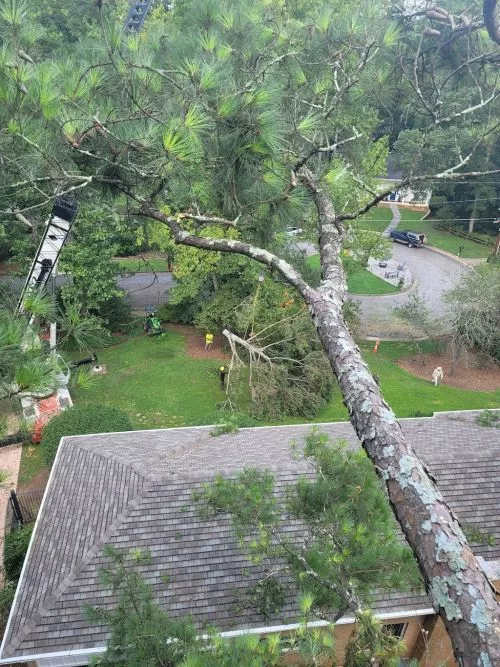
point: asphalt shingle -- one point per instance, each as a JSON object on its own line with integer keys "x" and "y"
{"x": 135, "y": 490}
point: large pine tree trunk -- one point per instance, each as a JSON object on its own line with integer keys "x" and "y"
{"x": 491, "y": 12}
{"x": 460, "y": 591}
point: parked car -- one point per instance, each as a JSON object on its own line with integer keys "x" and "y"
{"x": 293, "y": 231}
{"x": 411, "y": 239}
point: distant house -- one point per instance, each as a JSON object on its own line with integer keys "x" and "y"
{"x": 411, "y": 196}
{"x": 135, "y": 490}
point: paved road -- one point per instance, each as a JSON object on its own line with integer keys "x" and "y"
{"x": 433, "y": 275}
{"x": 145, "y": 289}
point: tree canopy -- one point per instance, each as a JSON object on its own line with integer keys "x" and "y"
{"x": 249, "y": 116}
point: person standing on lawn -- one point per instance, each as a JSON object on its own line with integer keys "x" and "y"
{"x": 222, "y": 376}
{"x": 209, "y": 339}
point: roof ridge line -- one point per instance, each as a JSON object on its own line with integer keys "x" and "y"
{"x": 131, "y": 463}
{"x": 44, "y": 609}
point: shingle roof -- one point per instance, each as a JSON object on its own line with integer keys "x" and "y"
{"x": 134, "y": 490}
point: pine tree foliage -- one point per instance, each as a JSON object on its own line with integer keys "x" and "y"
{"x": 349, "y": 548}
{"x": 241, "y": 109}
{"x": 349, "y": 545}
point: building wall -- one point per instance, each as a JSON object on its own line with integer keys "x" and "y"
{"x": 406, "y": 195}
{"x": 434, "y": 649}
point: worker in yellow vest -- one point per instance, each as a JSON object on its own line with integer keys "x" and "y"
{"x": 209, "y": 339}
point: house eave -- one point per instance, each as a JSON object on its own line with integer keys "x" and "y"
{"x": 229, "y": 634}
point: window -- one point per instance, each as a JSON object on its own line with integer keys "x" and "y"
{"x": 396, "y": 629}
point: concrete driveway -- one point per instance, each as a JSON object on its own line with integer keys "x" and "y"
{"x": 433, "y": 274}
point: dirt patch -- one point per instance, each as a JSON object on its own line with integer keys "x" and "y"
{"x": 6, "y": 268}
{"x": 475, "y": 379}
{"x": 195, "y": 342}
{"x": 36, "y": 483}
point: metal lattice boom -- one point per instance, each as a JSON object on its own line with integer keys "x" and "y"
{"x": 56, "y": 232}
{"x": 137, "y": 15}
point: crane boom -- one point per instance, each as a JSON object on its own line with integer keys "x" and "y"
{"x": 137, "y": 15}
{"x": 54, "y": 236}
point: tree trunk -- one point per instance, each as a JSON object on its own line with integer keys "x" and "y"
{"x": 460, "y": 591}
{"x": 472, "y": 220}
{"x": 491, "y": 14}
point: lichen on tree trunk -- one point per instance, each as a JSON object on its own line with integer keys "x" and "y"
{"x": 460, "y": 590}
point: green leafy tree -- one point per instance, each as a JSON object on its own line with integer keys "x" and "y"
{"x": 27, "y": 366}
{"x": 349, "y": 545}
{"x": 254, "y": 117}
{"x": 475, "y": 312}
{"x": 420, "y": 321}
{"x": 88, "y": 259}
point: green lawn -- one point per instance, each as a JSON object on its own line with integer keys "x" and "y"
{"x": 410, "y": 218}
{"x": 443, "y": 240}
{"x": 156, "y": 383}
{"x": 376, "y": 219}
{"x": 361, "y": 282}
{"x": 31, "y": 463}
{"x": 159, "y": 386}
{"x": 406, "y": 394}
{"x": 138, "y": 265}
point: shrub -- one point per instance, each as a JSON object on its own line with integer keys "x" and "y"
{"x": 117, "y": 315}
{"x": 182, "y": 313}
{"x": 488, "y": 418}
{"x": 16, "y": 546}
{"x": 81, "y": 419}
{"x": 6, "y": 599}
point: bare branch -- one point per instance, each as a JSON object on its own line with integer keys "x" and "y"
{"x": 472, "y": 109}
{"x": 327, "y": 149}
{"x": 183, "y": 237}
{"x": 255, "y": 351}
{"x": 85, "y": 180}
{"x": 209, "y": 220}
{"x": 23, "y": 219}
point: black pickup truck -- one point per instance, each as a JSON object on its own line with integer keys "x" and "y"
{"x": 412, "y": 239}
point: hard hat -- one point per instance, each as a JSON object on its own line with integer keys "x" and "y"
{"x": 222, "y": 368}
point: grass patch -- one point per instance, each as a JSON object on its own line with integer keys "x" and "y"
{"x": 443, "y": 240}
{"x": 407, "y": 395}
{"x": 376, "y": 220}
{"x": 365, "y": 282}
{"x": 361, "y": 282}
{"x": 159, "y": 386}
{"x": 32, "y": 462}
{"x": 139, "y": 265}
{"x": 156, "y": 383}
